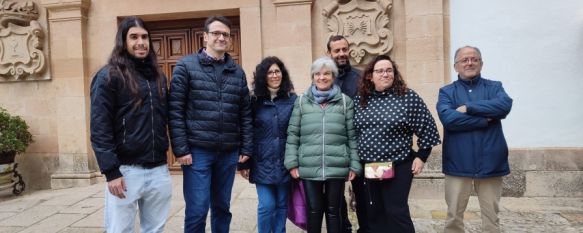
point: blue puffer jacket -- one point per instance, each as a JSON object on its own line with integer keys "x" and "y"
{"x": 472, "y": 145}
{"x": 209, "y": 106}
{"x": 270, "y": 121}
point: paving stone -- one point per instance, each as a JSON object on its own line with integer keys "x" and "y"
{"x": 68, "y": 199}
{"x": 574, "y": 218}
{"x": 54, "y": 223}
{"x": 93, "y": 220}
{"x": 18, "y": 205}
{"x": 86, "y": 206}
{"x": 31, "y": 216}
{"x": 10, "y": 229}
{"x": 174, "y": 225}
{"x": 176, "y": 206}
{"x": 82, "y": 230}
{"x": 518, "y": 215}
{"x": 5, "y": 215}
{"x": 291, "y": 228}
{"x": 439, "y": 214}
{"x": 248, "y": 193}
{"x": 424, "y": 226}
{"x": 246, "y": 215}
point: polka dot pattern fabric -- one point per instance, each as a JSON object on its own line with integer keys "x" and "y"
{"x": 385, "y": 128}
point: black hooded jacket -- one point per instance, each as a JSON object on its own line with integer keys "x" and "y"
{"x": 123, "y": 133}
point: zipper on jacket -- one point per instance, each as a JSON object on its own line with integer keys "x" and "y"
{"x": 123, "y": 122}
{"x": 152, "y": 117}
{"x": 323, "y": 143}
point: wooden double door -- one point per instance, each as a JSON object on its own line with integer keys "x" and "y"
{"x": 171, "y": 40}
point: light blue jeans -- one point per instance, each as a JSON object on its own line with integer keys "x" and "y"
{"x": 272, "y": 208}
{"x": 149, "y": 190}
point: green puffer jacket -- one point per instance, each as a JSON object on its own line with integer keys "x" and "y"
{"x": 322, "y": 141}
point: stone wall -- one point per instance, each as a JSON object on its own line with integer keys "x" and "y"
{"x": 81, "y": 37}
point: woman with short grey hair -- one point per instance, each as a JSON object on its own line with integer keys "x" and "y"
{"x": 321, "y": 146}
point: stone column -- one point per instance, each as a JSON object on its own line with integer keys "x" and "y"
{"x": 68, "y": 25}
{"x": 294, "y": 34}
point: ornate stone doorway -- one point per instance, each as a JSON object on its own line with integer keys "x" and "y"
{"x": 174, "y": 39}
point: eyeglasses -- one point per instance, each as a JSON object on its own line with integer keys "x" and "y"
{"x": 381, "y": 71}
{"x": 274, "y": 73}
{"x": 218, "y": 34}
{"x": 468, "y": 60}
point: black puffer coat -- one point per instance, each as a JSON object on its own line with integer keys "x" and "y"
{"x": 121, "y": 133}
{"x": 209, "y": 106}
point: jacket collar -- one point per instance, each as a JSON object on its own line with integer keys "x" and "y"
{"x": 228, "y": 61}
{"x": 470, "y": 82}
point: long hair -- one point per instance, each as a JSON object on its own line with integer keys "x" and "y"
{"x": 124, "y": 67}
{"x": 366, "y": 86}
{"x": 260, "y": 79}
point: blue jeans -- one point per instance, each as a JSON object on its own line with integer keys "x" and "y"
{"x": 272, "y": 208}
{"x": 213, "y": 173}
{"x": 149, "y": 190}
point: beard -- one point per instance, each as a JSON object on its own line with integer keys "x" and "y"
{"x": 342, "y": 66}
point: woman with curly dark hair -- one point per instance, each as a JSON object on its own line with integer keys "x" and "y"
{"x": 272, "y": 104}
{"x": 386, "y": 118}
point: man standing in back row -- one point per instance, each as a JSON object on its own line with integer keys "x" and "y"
{"x": 347, "y": 80}
{"x": 475, "y": 154}
{"x": 210, "y": 127}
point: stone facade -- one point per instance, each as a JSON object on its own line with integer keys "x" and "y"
{"x": 21, "y": 42}
{"x": 78, "y": 37}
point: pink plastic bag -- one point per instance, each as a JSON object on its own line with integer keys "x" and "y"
{"x": 296, "y": 206}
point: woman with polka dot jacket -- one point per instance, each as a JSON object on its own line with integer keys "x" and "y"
{"x": 387, "y": 114}
{"x": 321, "y": 146}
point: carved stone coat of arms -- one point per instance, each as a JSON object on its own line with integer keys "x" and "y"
{"x": 21, "y": 42}
{"x": 365, "y": 24}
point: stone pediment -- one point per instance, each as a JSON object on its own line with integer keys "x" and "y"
{"x": 21, "y": 42}
{"x": 365, "y": 24}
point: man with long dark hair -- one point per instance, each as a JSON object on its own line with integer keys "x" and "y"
{"x": 128, "y": 132}
{"x": 210, "y": 126}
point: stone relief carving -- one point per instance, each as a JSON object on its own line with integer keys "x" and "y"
{"x": 364, "y": 23}
{"x": 21, "y": 42}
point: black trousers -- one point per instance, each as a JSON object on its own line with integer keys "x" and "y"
{"x": 388, "y": 208}
{"x": 324, "y": 197}
{"x": 360, "y": 195}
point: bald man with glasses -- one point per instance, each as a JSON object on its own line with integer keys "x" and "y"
{"x": 475, "y": 153}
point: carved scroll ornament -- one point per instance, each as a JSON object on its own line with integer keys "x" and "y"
{"x": 21, "y": 42}
{"x": 365, "y": 24}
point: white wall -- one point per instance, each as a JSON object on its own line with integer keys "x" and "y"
{"x": 536, "y": 49}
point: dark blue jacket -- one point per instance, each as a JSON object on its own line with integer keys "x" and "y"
{"x": 472, "y": 145}
{"x": 209, "y": 106}
{"x": 121, "y": 133}
{"x": 270, "y": 121}
{"x": 347, "y": 80}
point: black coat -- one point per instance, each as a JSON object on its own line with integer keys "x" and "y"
{"x": 121, "y": 133}
{"x": 209, "y": 106}
{"x": 347, "y": 80}
{"x": 270, "y": 121}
